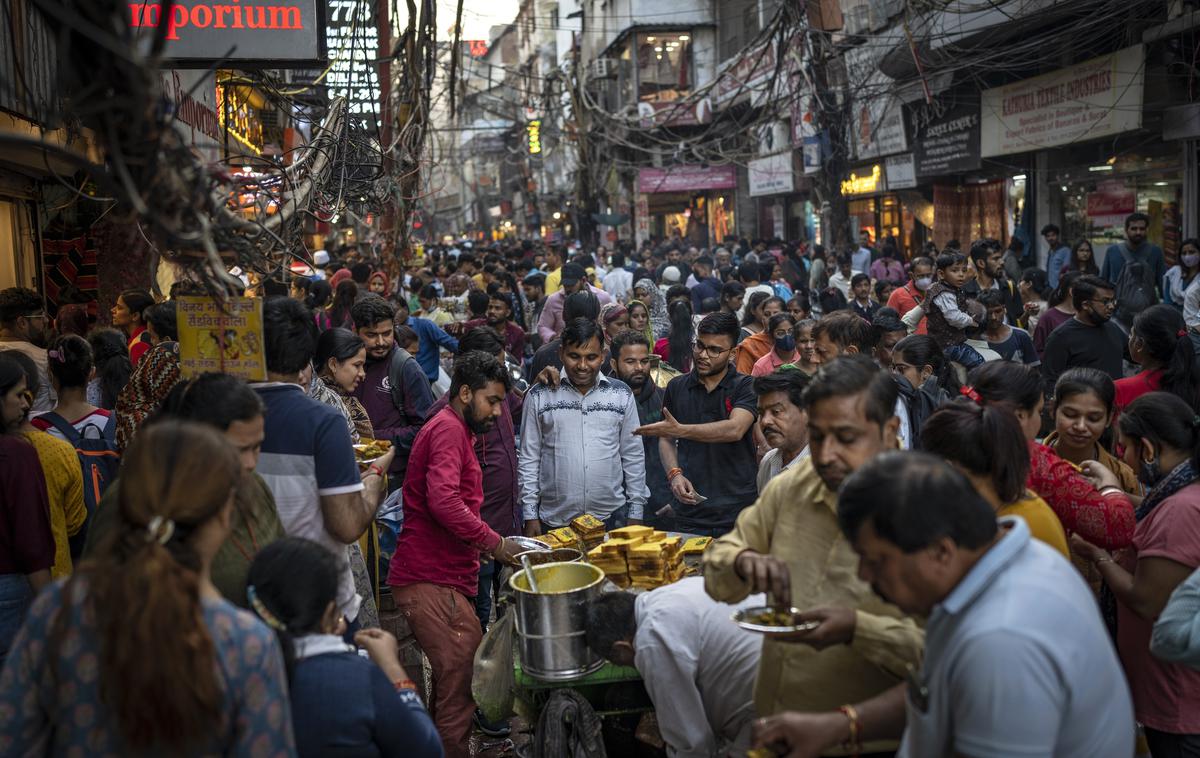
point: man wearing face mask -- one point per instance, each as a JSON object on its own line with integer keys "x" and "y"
{"x": 25, "y": 327}
{"x": 920, "y": 279}
{"x": 1090, "y": 339}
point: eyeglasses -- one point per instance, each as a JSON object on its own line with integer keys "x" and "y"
{"x": 712, "y": 351}
{"x": 1108, "y": 302}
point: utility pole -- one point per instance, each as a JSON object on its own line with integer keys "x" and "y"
{"x": 832, "y": 116}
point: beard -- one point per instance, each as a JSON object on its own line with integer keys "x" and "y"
{"x": 635, "y": 381}
{"x": 478, "y": 425}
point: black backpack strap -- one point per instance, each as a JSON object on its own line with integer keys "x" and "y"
{"x": 396, "y": 363}
{"x": 63, "y": 426}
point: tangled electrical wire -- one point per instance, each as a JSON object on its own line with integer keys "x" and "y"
{"x": 204, "y": 217}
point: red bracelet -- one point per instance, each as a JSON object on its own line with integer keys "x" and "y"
{"x": 674, "y": 473}
{"x": 374, "y": 469}
{"x": 405, "y": 684}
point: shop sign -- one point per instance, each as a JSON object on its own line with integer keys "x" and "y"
{"x": 864, "y": 181}
{"x": 772, "y": 175}
{"x": 948, "y": 144}
{"x": 1098, "y": 98}
{"x": 227, "y": 339}
{"x": 900, "y": 172}
{"x": 686, "y": 179}
{"x": 193, "y": 95}
{"x": 200, "y": 33}
{"x": 1110, "y": 203}
{"x": 534, "y": 131}
{"x": 239, "y": 118}
{"x": 748, "y": 72}
{"x": 353, "y": 42}
{"x": 878, "y": 128}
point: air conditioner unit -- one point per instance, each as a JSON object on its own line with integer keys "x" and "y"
{"x": 603, "y": 68}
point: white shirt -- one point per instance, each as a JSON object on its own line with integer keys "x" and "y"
{"x": 698, "y": 668}
{"x": 981, "y": 347}
{"x": 772, "y": 465}
{"x": 750, "y": 291}
{"x": 617, "y": 283}
{"x": 843, "y": 282}
{"x": 1191, "y": 304}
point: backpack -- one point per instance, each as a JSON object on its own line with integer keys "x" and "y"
{"x": 98, "y": 456}
{"x": 1134, "y": 288}
{"x": 400, "y": 357}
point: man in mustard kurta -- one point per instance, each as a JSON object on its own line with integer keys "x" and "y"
{"x": 788, "y": 543}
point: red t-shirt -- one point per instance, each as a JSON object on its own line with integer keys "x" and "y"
{"x": 1103, "y": 520}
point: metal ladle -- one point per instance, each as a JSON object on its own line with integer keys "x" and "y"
{"x": 529, "y": 573}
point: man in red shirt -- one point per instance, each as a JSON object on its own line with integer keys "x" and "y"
{"x": 920, "y": 278}
{"x": 434, "y": 573}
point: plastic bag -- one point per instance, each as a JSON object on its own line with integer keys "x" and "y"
{"x": 492, "y": 678}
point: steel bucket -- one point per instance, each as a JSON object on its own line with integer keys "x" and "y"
{"x": 552, "y": 623}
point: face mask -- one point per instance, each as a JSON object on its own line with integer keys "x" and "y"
{"x": 786, "y": 344}
{"x": 923, "y": 283}
{"x": 1190, "y": 259}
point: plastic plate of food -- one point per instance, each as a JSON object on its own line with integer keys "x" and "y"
{"x": 369, "y": 451}
{"x": 771, "y": 620}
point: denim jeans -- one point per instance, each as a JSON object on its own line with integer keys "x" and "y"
{"x": 964, "y": 355}
{"x": 15, "y": 597}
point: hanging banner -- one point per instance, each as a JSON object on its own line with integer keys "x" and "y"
{"x": 1098, "y": 98}
{"x": 229, "y": 341}
{"x": 686, "y": 178}
{"x": 948, "y": 144}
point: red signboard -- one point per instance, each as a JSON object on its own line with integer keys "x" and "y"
{"x": 686, "y": 179}
{"x": 1111, "y": 199}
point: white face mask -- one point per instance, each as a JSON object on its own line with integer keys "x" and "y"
{"x": 1190, "y": 259}
{"x": 923, "y": 283}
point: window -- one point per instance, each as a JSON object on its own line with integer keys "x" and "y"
{"x": 664, "y": 66}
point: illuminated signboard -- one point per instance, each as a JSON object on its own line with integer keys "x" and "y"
{"x": 353, "y": 49}
{"x": 864, "y": 184}
{"x": 534, "y": 129}
{"x": 239, "y": 118}
{"x": 477, "y": 48}
{"x": 266, "y": 32}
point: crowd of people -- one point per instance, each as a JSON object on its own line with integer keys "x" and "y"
{"x": 978, "y": 480}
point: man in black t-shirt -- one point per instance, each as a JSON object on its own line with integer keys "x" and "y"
{"x": 706, "y": 437}
{"x": 1090, "y": 339}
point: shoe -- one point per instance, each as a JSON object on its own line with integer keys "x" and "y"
{"x": 491, "y": 728}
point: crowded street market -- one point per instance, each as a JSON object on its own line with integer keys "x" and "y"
{"x": 575, "y": 379}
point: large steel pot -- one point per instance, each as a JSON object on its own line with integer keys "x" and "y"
{"x": 552, "y": 622}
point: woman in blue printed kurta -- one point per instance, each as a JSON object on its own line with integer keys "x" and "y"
{"x": 137, "y": 653}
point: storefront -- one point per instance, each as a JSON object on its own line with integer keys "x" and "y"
{"x": 783, "y": 207}
{"x": 692, "y": 203}
{"x": 1097, "y": 191}
{"x": 885, "y": 214}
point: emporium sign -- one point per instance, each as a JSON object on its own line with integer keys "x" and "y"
{"x": 686, "y": 179}
{"x": 1098, "y": 98}
{"x": 241, "y": 31}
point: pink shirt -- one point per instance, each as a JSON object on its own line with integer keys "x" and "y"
{"x": 1166, "y": 696}
{"x": 770, "y": 363}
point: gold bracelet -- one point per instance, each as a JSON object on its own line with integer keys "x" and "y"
{"x": 853, "y": 743}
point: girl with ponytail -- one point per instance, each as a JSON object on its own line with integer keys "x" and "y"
{"x": 136, "y": 653}
{"x": 342, "y": 704}
{"x": 986, "y": 443}
{"x": 1160, "y": 344}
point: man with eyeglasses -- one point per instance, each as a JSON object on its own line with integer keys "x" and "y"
{"x": 25, "y": 327}
{"x": 1090, "y": 339}
{"x": 706, "y": 437}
